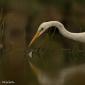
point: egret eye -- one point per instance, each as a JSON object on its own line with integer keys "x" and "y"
{"x": 42, "y": 29}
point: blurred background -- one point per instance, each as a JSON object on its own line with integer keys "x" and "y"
{"x": 19, "y": 20}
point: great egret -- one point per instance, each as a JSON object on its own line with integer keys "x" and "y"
{"x": 73, "y": 75}
{"x": 46, "y": 25}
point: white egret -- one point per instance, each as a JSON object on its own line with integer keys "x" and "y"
{"x": 72, "y": 75}
{"x": 46, "y": 25}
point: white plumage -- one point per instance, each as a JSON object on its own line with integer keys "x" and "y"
{"x": 46, "y": 25}
{"x": 74, "y": 36}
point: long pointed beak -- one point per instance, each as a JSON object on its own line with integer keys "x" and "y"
{"x": 34, "y": 38}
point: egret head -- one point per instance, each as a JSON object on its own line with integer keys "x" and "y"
{"x": 43, "y": 27}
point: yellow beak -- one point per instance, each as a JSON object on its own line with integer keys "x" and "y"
{"x": 34, "y": 38}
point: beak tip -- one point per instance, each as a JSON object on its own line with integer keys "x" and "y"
{"x": 35, "y": 37}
